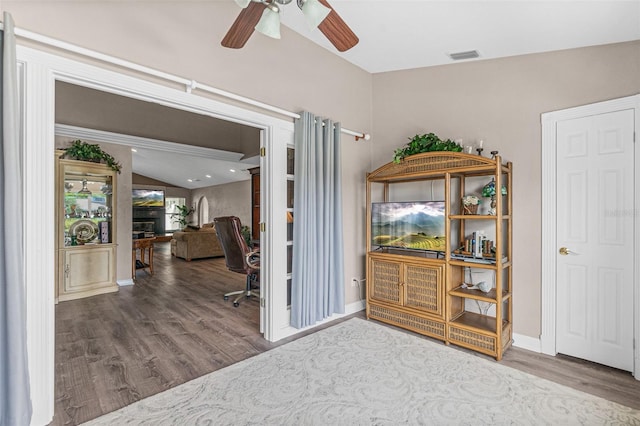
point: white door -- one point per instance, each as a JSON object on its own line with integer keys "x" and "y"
{"x": 595, "y": 253}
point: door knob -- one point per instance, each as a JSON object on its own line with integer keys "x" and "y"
{"x": 564, "y": 251}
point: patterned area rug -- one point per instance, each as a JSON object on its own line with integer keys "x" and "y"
{"x": 362, "y": 373}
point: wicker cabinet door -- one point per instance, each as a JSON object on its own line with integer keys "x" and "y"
{"x": 386, "y": 281}
{"x": 423, "y": 287}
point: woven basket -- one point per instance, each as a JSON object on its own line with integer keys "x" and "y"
{"x": 470, "y": 209}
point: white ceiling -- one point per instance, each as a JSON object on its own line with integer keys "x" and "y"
{"x": 190, "y": 171}
{"x": 178, "y": 164}
{"x": 398, "y": 34}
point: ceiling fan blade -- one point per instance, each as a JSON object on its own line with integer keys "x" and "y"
{"x": 243, "y": 26}
{"x": 337, "y": 31}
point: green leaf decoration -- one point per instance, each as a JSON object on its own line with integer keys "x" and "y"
{"x": 83, "y": 151}
{"x": 183, "y": 213}
{"x": 425, "y": 143}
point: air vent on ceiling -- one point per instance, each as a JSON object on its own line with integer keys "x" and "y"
{"x": 469, "y": 54}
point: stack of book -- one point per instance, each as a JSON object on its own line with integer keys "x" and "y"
{"x": 476, "y": 246}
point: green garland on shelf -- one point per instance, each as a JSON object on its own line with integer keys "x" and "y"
{"x": 83, "y": 151}
{"x": 425, "y": 143}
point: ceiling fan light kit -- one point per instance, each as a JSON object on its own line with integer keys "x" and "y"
{"x": 269, "y": 23}
{"x": 264, "y": 16}
{"x": 313, "y": 11}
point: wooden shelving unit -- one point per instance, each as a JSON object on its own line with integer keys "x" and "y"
{"x": 446, "y": 309}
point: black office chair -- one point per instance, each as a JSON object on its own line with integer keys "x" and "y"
{"x": 238, "y": 256}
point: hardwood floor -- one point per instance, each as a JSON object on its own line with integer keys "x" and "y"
{"x": 599, "y": 380}
{"x": 115, "y": 349}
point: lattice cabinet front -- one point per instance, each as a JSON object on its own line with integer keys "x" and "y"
{"x": 386, "y": 284}
{"x": 423, "y": 287}
{"x": 407, "y": 293}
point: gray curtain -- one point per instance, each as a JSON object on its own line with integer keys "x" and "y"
{"x": 15, "y": 402}
{"x": 317, "y": 286}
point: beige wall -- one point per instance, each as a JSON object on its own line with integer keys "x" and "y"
{"x": 231, "y": 199}
{"x": 500, "y": 101}
{"x": 183, "y": 38}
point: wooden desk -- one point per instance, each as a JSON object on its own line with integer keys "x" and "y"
{"x": 144, "y": 245}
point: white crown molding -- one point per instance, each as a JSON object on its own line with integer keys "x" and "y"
{"x": 145, "y": 143}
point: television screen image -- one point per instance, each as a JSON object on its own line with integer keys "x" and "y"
{"x": 415, "y": 225}
{"x": 147, "y": 198}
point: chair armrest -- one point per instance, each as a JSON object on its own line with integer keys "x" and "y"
{"x": 180, "y": 236}
{"x": 253, "y": 259}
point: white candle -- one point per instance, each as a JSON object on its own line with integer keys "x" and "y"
{"x": 480, "y": 143}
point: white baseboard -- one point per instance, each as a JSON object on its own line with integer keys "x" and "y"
{"x": 123, "y": 283}
{"x": 349, "y": 309}
{"x": 526, "y": 342}
{"x": 354, "y": 307}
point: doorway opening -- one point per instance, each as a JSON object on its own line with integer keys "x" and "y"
{"x": 133, "y": 343}
{"x": 38, "y": 72}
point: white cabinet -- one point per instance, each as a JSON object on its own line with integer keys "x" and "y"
{"x": 85, "y": 229}
{"x": 86, "y": 271}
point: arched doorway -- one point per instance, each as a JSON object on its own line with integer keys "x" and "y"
{"x": 203, "y": 210}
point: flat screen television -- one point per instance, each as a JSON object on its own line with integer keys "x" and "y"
{"x": 417, "y": 225}
{"x": 147, "y": 198}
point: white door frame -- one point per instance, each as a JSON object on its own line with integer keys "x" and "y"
{"x": 549, "y": 235}
{"x": 38, "y": 73}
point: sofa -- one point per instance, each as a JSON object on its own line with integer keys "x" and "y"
{"x": 196, "y": 243}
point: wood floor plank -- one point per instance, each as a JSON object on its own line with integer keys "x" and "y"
{"x": 163, "y": 331}
{"x": 115, "y": 349}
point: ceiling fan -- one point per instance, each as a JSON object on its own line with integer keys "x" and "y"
{"x": 264, "y": 16}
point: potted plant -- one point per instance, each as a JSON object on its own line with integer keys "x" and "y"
{"x": 425, "y": 143}
{"x": 246, "y": 234}
{"x": 182, "y": 214}
{"x": 83, "y": 151}
{"x": 470, "y": 204}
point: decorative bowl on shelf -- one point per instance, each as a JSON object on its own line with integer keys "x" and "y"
{"x": 84, "y": 230}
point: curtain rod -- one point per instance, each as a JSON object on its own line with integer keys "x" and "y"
{"x": 190, "y": 85}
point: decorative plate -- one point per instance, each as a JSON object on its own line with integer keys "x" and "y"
{"x": 85, "y": 231}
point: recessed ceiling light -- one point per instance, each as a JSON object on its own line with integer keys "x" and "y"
{"x": 232, "y": 170}
{"x": 209, "y": 176}
{"x": 189, "y": 180}
{"x": 134, "y": 150}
